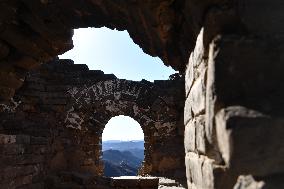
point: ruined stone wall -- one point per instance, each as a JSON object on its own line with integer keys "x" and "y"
{"x": 231, "y": 54}
{"x": 55, "y": 122}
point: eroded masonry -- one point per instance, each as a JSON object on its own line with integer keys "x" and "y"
{"x": 221, "y": 126}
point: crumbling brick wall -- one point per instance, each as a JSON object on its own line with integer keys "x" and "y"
{"x": 59, "y": 115}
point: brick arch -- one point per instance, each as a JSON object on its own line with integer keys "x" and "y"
{"x": 147, "y": 125}
{"x": 147, "y": 142}
{"x": 94, "y": 105}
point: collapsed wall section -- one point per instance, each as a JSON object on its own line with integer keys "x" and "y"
{"x": 34, "y": 32}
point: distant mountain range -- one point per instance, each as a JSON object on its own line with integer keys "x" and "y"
{"x": 122, "y": 145}
{"x": 122, "y": 158}
{"x": 122, "y": 141}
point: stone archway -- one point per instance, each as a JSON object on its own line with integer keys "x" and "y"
{"x": 92, "y": 106}
{"x": 123, "y": 147}
{"x": 146, "y": 127}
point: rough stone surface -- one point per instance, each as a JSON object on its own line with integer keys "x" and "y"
{"x": 248, "y": 182}
{"x": 202, "y": 172}
{"x": 239, "y": 129}
{"x": 239, "y": 99}
{"x": 194, "y": 138}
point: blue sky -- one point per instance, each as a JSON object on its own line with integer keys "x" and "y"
{"x": 122, "y": 128}
{"x": 114, "y": 52}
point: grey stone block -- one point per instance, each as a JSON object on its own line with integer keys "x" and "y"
{"x": 250, "y": 142}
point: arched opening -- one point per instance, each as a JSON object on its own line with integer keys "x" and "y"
{"x": 122, "y": 147}
{"x": 114, "y": 52}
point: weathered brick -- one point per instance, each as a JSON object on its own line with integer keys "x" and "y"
{"x": 197, "y": 95}
{"x": 23, "y": 139}
{"x": 7, "y": 139}
{"x": 4, "y": 50}
{"x": 189, "y": 136}
{"x": 203, "y": 173}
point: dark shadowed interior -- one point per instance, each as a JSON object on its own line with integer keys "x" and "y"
{"x": 217, "y": 125}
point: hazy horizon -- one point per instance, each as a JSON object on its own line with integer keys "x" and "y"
{"x": 123, "y": 140}
{"x": 117, "y": 126}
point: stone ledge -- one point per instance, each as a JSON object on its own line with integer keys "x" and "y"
{"x": 135, "y": 182}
